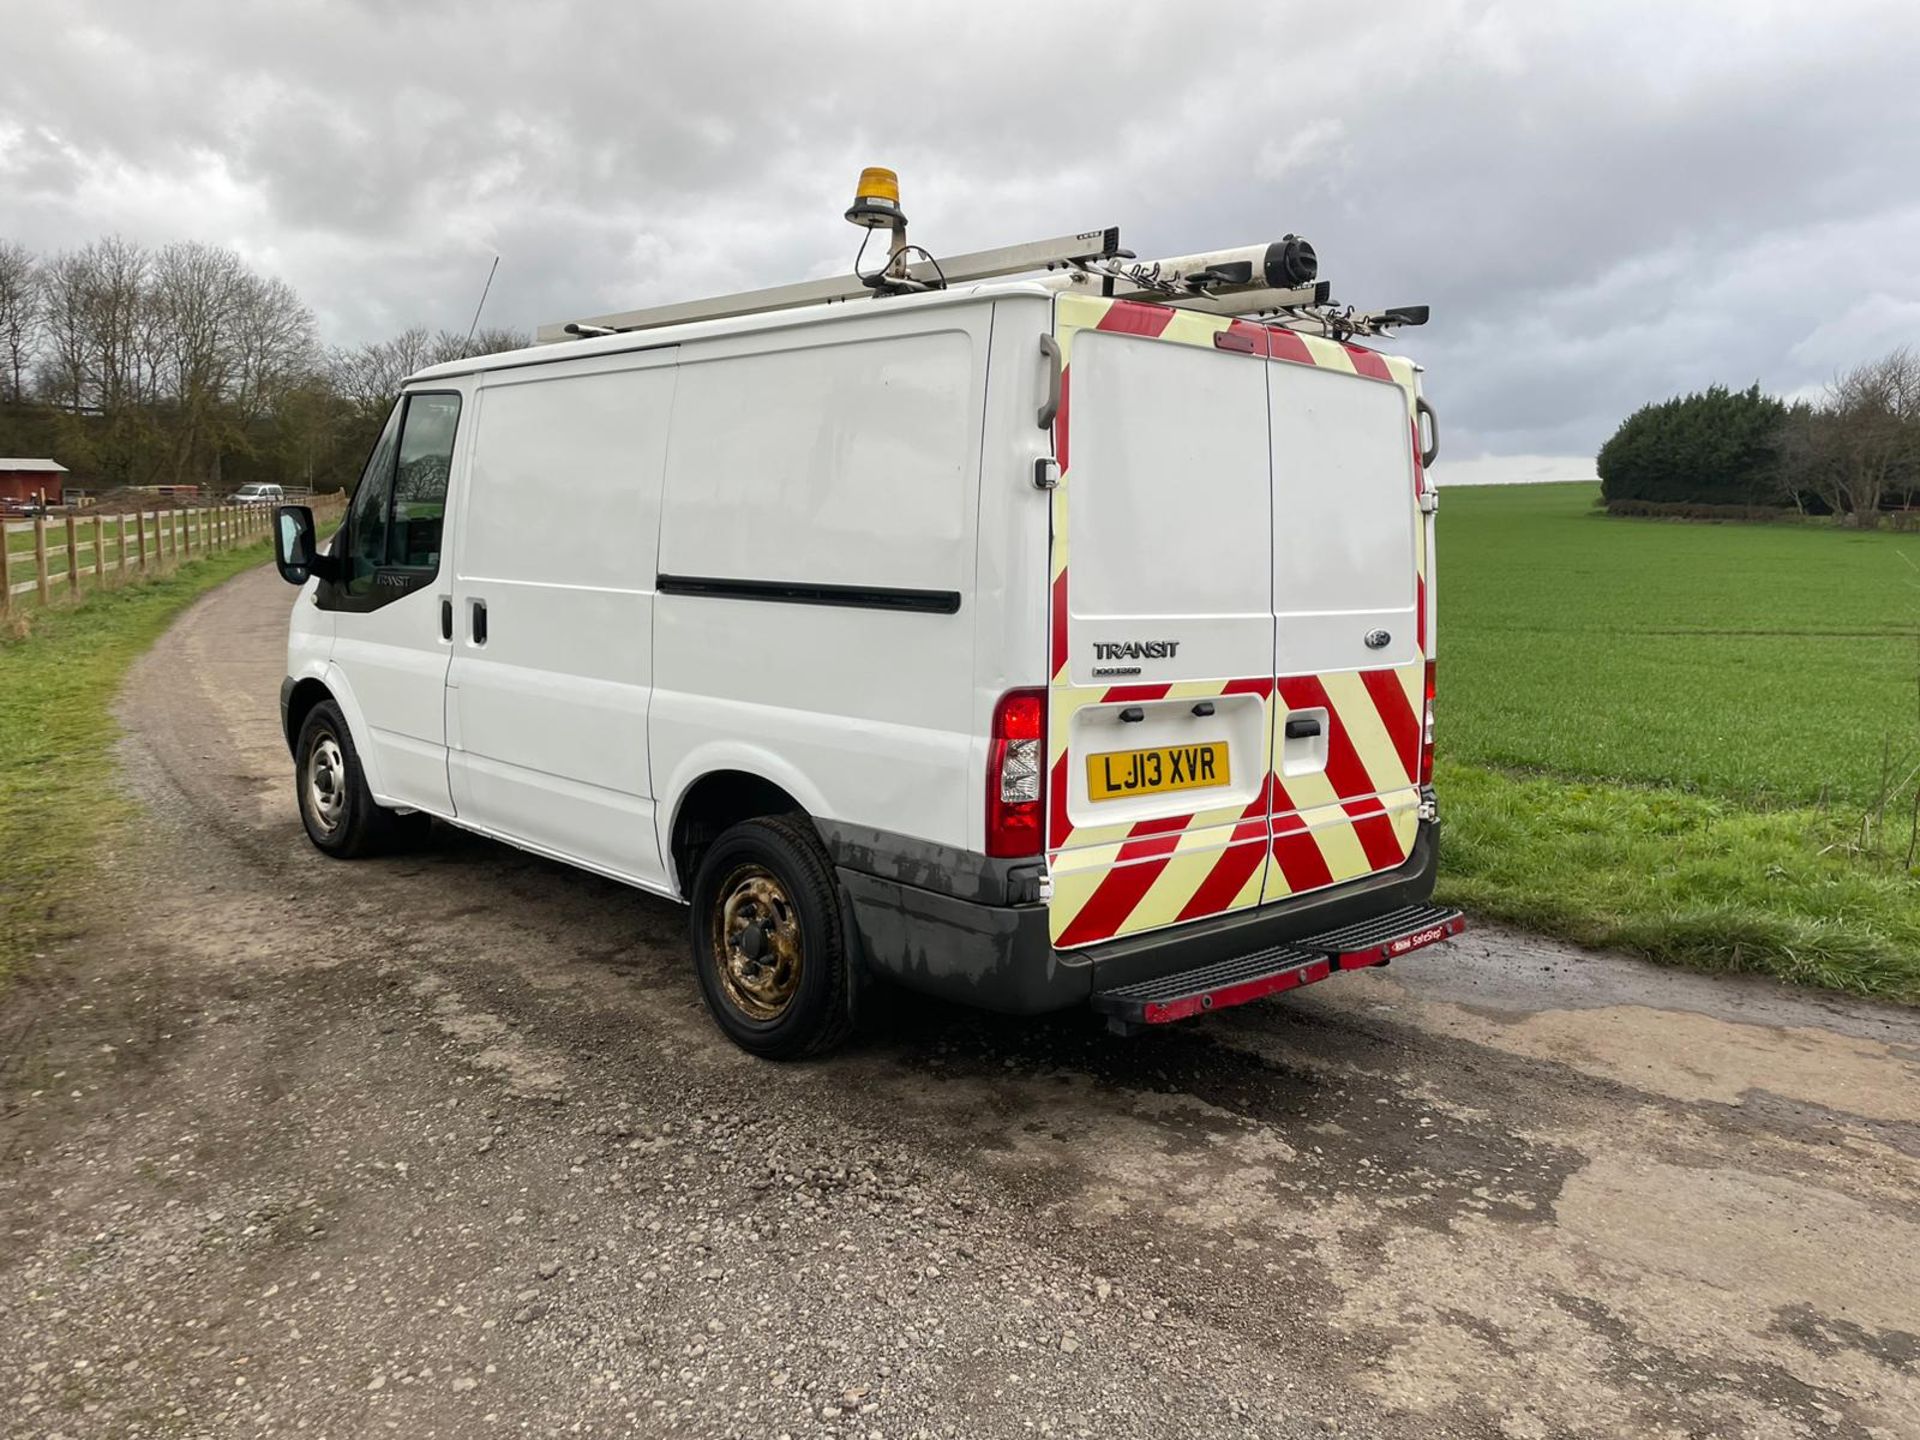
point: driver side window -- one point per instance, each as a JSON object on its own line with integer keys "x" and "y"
{"x": 398, "y": 509}
{"x": 367, "y": 520}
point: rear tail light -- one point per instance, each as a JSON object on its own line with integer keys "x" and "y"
{"x": 1426, "y": 731}
{"x": 1017, "y": 775}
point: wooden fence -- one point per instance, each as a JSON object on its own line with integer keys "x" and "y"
{"x": 75, "y": 548}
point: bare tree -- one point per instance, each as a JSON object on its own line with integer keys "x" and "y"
{"x": 20, "y": 319}
{"x": 166, "y": 364}
{"x": 65, "y": 286}
{"x": 368, "y": 376}
{"x": 1861, "y": 442}
{"x": 452, "y": 345}
{"x": 104, "y": 352}
{"x": 277, "y": 346}
{"x": 233, "y": 342}
{"x": 197, "y": 294}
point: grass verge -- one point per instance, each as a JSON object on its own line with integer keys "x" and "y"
{"x": 58, "y": 799}
{"x": 1682, "y": 739}
{"x": 1680, "y": 877}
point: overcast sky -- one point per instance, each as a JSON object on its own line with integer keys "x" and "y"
{"x": 1604, "y": 203}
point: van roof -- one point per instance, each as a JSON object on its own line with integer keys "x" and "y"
{"x": 666, "y": 335}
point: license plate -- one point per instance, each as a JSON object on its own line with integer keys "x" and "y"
{"x": 1119, "y": 774}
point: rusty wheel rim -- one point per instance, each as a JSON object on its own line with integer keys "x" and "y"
{"x": 757, "y": 950}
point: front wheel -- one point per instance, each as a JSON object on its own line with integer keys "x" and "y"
{"x": 335, "y": 804}
{"x": 769, "y": 946}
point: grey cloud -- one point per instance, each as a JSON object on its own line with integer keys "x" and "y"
{"x": 1604, "y": 203}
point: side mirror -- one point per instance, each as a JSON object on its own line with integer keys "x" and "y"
{"x": 295, "y": 553}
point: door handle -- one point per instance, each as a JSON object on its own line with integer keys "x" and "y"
{"x": 1303, "y": 729}
{"x": 1132, "y": 715}
{"x": 446, "y": 617}
{"x": 479, "y": 622}
{"x": 1050, "y": 407}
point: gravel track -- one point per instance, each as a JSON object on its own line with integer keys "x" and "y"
{"x": 444, "y": 1145}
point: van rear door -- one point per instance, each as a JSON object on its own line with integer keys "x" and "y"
{"x": 1237, "y": 625}
{"x": 1159, "y": 722}
{"x": 1348, "y": 634}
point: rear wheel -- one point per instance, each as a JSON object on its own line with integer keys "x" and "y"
{"x": 768, "y": 943}
{"x": 335, "y": 804}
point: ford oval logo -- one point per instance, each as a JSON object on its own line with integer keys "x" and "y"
{"x": 1378, "y": 639}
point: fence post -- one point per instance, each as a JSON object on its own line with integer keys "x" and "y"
{"x": 6, "y": 570}
{"x": 140, "y": 529}
{"x": 99, "y": 553}
{"x": 120, "y": 543}
{"x": 73, "y": 556}
{"x": 40, "y": 555}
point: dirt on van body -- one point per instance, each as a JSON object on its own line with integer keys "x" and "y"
{"x": 444, "y": 1145}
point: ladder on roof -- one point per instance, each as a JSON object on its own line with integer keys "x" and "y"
{"x": 1063, "y": 250}
{"x": 1091, "y": 261}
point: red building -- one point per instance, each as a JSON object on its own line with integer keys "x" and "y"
{"x": 30, "y": 479}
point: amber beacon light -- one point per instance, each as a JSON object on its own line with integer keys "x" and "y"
{"x": 876, "y": 200}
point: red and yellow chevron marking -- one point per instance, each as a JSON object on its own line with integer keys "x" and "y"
{"x": 1112, "y": 880}
{"x": 1299, "y": 833}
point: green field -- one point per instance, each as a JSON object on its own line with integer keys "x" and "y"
{"x": 1676, "y": 736}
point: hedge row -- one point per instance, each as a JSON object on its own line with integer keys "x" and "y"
{"x": 1717, "y": 448}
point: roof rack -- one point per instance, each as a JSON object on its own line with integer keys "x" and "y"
{"x": 1278, "y": 281}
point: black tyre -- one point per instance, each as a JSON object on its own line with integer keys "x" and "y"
{"x": 769, "y": 945}
{"x": 335, "y": 804}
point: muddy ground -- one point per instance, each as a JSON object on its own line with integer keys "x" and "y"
{"x": 444, "y": 1145}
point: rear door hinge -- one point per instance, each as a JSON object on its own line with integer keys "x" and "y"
{"x": 1429, "y": 500}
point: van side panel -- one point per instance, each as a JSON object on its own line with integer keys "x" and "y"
{"x": 1010, "y": 613}
{"x": 816, "y": 565}
{"x": 548, "y": 716}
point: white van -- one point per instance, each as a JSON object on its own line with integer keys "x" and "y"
{"x": 1027, "y": 646}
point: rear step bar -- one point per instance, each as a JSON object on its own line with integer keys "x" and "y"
{"x": 1279, "y": 967}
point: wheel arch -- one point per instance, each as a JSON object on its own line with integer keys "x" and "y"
{"x": 307, "y": 692}
{"x": 722, "y": 796}
{"x": 332, "y": 685}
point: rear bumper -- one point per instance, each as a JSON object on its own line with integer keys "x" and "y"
{"x": 1000, "y": 957}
